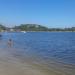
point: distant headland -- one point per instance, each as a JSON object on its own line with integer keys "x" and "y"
{"x": 34, "y": 28}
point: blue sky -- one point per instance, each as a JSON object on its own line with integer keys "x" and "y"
{"x": 50, "y": 13}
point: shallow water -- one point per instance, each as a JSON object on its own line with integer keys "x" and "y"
{"x": 57, "y": 45}
{"x": 53, "y": 51}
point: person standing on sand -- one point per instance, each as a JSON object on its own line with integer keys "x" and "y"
{"x": 10, "y": 42}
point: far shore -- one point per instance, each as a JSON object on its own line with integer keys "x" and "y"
{"x": 37, "y": 31}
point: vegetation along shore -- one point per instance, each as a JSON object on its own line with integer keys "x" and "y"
{"x": 34, "y": 28}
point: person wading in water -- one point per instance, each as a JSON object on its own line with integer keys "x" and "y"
{"x": 10, "y": 42}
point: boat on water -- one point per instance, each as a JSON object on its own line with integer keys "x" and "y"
{"x": 23, "y": 31}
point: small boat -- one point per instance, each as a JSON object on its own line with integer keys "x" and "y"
{"x": 23, "y": 31}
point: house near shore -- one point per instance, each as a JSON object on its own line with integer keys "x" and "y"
{"x": 9, "y": 30}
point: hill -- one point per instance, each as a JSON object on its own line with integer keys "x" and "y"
{"x": 31, "y": 27}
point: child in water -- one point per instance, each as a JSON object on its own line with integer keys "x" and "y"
{"x": 10, "y": 42}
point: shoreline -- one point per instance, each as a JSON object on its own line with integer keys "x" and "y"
{"x": 35, "y": 31}
{"x": 10, "y": 65}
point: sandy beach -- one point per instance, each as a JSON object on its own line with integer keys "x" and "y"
{"x": 12, "y": 66}
{"x": 9, "y": 65}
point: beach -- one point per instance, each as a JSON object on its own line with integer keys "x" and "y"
{"x": 10, "y": 65}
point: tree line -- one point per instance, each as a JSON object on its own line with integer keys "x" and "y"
{"x": 35, "y": 27}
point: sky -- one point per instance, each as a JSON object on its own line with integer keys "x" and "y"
{"x": 50, "y": 13}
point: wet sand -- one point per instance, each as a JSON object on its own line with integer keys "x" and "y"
{"x": 10, "y": 65}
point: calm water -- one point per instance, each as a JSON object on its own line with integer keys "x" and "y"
{"x": 44, "y": 45}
